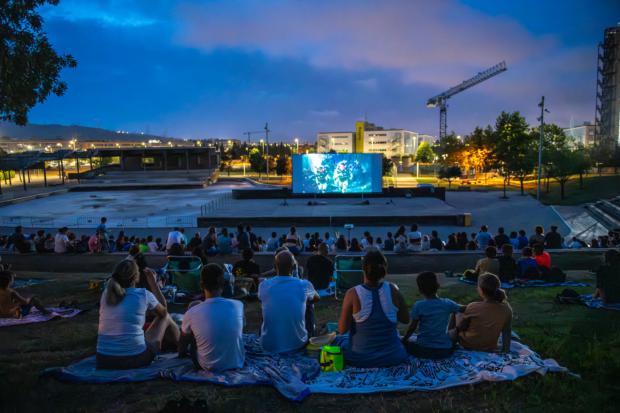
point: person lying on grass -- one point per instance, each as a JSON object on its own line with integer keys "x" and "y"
{"x": 430, "y": 317}
{"x": 479, "y": 327}
{"x": 12, "y": 303}
{"x": 370, "y": 314}
{"x": 212, "y": 330}
{"x": 122, "y": 342}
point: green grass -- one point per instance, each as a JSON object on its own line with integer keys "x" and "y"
{"x": 594, "y": 188}
{"x": 586, "y": 341}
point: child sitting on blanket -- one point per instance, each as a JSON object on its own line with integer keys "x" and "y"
{"x": 527, "y": 267}
{"x": 13, "y": 304}
{"x": 479, "y": 327}
{"x": 431, "y": 316}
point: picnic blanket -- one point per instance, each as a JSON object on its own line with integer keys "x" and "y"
{"x": 597, "y": 303}
{"x": 530, "y": 283}
{"x": 297, "y": 375}
{"x": 36, "y": 317}
{"x": 286, "y": 372}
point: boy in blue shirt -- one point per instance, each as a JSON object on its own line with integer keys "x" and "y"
{"x": 430, "y": 317}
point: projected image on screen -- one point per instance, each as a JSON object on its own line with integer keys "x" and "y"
{"x": 325, "y": 173}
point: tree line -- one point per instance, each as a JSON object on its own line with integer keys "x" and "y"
{"x": 511, "y": 149}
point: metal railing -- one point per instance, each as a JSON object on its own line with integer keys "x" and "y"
{"x": 215, "y": 204}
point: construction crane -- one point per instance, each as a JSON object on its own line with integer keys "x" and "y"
{"x": 441, "y": 100}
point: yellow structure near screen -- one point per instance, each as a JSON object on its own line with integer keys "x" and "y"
{"x": 359, "y": 136}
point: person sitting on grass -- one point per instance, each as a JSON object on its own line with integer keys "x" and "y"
{"x": 122, "y": 342}
{"x": 319, "y": 268}
{"x": 507, "y": 264}
{"x": 273, "y": 243}
{"x": 527, "y": 267}
{"x": 355, "y": 246}
{"x": 284, "y": 300}
{"x": 538, "y": 237}
{"x": 341, "y": 244}
{"x": 487, "y": 264}
{"x": 94, "y": 243}
{"x": 430, "y": 316}
{"x": 608, "y": 279}
{"x": 480, "y": 326}
{"x": 370, "y": 315}
{"x": 12, "y": 303}
{"x": 247, "y": 268}
{"x": 212, "y": 330}
{"x": 542, "y": 257}
{"x": 483, "y": 237}
{"x": 472, "y": 245}
{"x": 388, "y": 244}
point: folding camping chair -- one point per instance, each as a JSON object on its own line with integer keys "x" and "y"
{"x": 184, "y": 273}
{"x": 348, "y": 272}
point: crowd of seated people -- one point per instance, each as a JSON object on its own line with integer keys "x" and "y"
{"x": 227, "y": 241}
{"x": 134, "y": 324}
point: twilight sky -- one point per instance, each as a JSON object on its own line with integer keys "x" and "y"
{"x": 218, "y": 68}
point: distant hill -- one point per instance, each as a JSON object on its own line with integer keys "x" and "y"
{"x": 34, "y": 131}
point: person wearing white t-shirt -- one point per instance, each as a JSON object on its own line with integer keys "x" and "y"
{"x": 284, "y": 300}
{"x": 122, "y": 342}
{"x": 415, "y": 239}
{"x": 61, "y": 241}
{"x": 212, "y": 330}
{"x": 174, "y": 237}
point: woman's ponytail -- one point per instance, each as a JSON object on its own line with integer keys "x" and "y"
{"x": 125, "y": 274}
{"x": 490, "y": 285}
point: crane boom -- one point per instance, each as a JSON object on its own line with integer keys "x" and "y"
{"x": 441, "y": 99}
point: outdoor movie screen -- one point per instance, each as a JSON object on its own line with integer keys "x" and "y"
{"x": 337, "y": 173}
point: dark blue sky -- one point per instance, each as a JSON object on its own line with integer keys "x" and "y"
{"x": 199, "y": 69}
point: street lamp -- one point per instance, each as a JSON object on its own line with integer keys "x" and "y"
{"x": 296, "y": 145}
{"x": 262, "y": 144}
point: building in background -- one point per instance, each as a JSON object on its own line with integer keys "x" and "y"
{"x": 341, "y": 142}
{"x": 583, "y": 134}
{"x": 370, "y": 138}
{"x": 607, "y": 91}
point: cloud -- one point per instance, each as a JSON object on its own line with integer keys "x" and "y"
{"x": 114, "y": 13}
{"x": 436, "y": 42}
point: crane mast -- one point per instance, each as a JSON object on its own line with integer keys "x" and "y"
{"x": 441, "y": 100}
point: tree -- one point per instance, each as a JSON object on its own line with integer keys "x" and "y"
{"x": 473, "y": 158}
{"x": 477, "y": 152}
{"x": 283, "y": 165}
{"x": 447, "y": 149}
{"x": 257, "y": 161}
{"x": 449, "y": 173}
{"x": 425, "y": 153}
{"x": 514, "y": 148}
{"x": 388, "y": 166}
{"x": 29, "y": 66}
{"x": 583, "y": 163}
{"x": 562, "y": 163}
